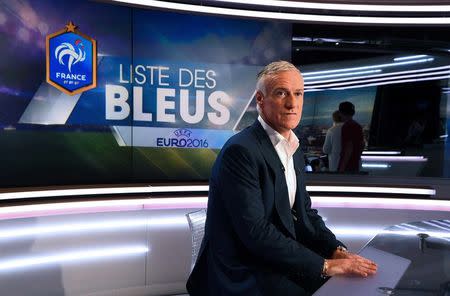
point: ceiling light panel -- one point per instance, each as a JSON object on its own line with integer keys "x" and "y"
{"x": 302, "y": 17}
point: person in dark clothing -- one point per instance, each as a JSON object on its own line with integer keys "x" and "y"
{"x": 261, "y": 236}
{"x": 352, "y": 140}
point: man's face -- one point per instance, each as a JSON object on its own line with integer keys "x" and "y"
{"x": 282, "y": 104}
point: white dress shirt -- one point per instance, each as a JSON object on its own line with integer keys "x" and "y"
{"x": 332, "y": 146}
{"x": 285, "y": 149}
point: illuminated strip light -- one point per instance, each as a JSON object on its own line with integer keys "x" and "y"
{"x": 188, "y": 188}
{"x": 410, "y": 57}
{"x": 380, "y": 203}
{"x": 145, "y": 189}
{"x": 64, "y": 229}
{"x": 340, "y": 231}
{"x": 437, "y": 226}
{"x": 201, "y": 202}
{"x": 9, "y": 264}
{"x": 100, "y": 206}
{"x": 110, "y": 225}
{"x": 390, "y": 78}
{"x": 393, "y": 79}
{"x": 370, "y": 67}
{"x": 443, "y": 136}
{"x": 375, "y": 165}
{"x": 416, "y": 232}
{"x": 447, "y": 222}
{"x": 402, "y": 227}
{"x": 381, "y": 152}
{"x": 180, "y": 221}
{"x": 378, "y": 75}
{"x": 432, "y": 223}
{"x": 413, "y": 226}
{"x": 331, "y": 40}
{"x": 173, "y": 221}
{"x": 74, "y": 192}
{"x": 313, "y": 89}
{"x": 287, "y": 16}
{"x": 71, "y": 208}
{"x": 444, "y": 222}
{"x": 345, "y": 7}
{"x": 99, "y": 191}
{"x": 355, "y": 231}
{"x": 392, "y": 82}
{"x": 389, "y": 82}
{"x": 71, "y": 228}
{"x": 447, "y": 238}
{"x": 371, "y": 189}
{"x": 325, "y": 188}
{"x": 328, "y": 40}
{"x": 306, "y": 39}
{"x": 371, "y": 232}
{"x": 342, "y": 74}
{"x": 394, "y": 158}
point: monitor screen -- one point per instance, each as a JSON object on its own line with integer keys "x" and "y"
{"x": 169, "y": 90}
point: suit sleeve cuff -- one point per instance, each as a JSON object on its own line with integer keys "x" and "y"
{"x": 333, "y": 247}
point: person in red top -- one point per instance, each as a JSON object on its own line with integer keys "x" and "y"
{"x": 352, "y": 140}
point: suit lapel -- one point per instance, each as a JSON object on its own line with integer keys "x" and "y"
{"x": 299, "y": 166}
{"x": 281, "y": 192}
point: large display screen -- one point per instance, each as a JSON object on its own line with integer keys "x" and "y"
{"x": 170, "y": 89}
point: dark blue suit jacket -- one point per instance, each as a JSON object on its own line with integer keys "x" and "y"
{"x": 252, "y": 241}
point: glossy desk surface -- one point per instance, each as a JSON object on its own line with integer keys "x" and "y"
{"x": 423, "y": 245}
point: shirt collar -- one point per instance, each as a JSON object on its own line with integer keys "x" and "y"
{"x": 276, "y": 137}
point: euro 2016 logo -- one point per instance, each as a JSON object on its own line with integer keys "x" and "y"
{"x": 71, "y": 60}
{"x": 183, "y": 140}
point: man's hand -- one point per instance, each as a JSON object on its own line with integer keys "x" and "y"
{"x": 340, "y": 254}
{"x": 352, "y": 265}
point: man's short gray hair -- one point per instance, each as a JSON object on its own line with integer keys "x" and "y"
{"x": 270, "y": 70}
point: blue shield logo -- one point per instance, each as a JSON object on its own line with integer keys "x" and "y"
{"x": 71, "y": 60}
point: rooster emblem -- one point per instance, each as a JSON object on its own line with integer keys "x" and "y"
{"x": 74, "y": 56}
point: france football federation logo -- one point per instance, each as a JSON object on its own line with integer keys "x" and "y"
{"x": 71, "y": 60}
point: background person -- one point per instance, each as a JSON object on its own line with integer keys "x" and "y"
{"x": 332, "y": 144}
{"x": 352, "y": 139}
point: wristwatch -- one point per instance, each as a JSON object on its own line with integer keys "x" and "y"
{"x": 324, "y": 273}
{"x": 342, "y": 249}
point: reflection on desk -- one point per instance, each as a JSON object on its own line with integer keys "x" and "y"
{"x": 390, "y": 270}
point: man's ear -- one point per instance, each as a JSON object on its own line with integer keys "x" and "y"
{"x": 259, "y": 97}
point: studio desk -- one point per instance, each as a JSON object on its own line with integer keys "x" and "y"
{"x": 137, "y": 240}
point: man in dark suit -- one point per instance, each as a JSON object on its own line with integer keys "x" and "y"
{"x": 261, "y": 236}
